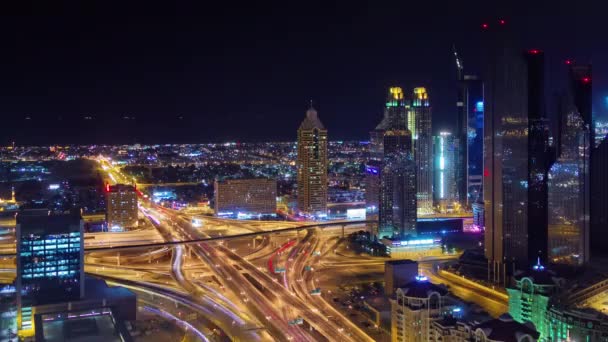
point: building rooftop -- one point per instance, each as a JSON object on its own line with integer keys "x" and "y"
{"x": 311, "y": 121}
{"x": 422, "y": 288}
{"x": 120, "y": 188}
{"x": 506, "y": 329}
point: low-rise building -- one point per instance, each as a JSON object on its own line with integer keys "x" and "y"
{"x": 414, "y": 308}
{"x": 243, "y": 198}
{"x": 502, "y": 329}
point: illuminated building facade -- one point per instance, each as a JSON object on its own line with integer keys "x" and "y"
{"x": 414, "y": 308}
{"x": 469, "y": 165}
{"x": 397, "y": 181}
{"x": 121, "y": 206}
{"x": 445, "y": 191}
{"x": 515, "y": 164}
{"x": 419, "y": 124}
{"x": 312, "y": 166}
{"x": 373, "y": 170}
{"x": 243, "y": 198}
{"x": 568, "y": 195}
{"x": 50, "y": 267}
{"x": 397, "y": 207}
{"x": 530, "y": 295}
{"x": 599, "y": 199}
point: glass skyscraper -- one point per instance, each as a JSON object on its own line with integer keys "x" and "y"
{"x": 397, "y": 187}
{"x": 505, "y": 154}
{"x": 419, "y": 124}
{"x": 50, "y": 265}
{"x": 469, "y": 164}
{"x": 568, "y": 195}
{"x": 445, "y": 192}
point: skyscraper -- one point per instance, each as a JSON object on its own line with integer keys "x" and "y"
{"x": 505, "y": 154}
{"x": 395, "y": 111}
{"x": 312, "y": 165}
{"x": 419, "y": 124}
{"x": 445, "y": 151}
{"x": 50, "y": 265}
{"x": 539, "y": 157}
{"x": 469, "y": 131}
{"x": 397, "y": 200}
{"x": 397, "y": 207}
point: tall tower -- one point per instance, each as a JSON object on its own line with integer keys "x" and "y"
{"x": 312, "y": 165}
{"x": 395, "y": 116}
{"x": 539, "y": 158}
{"x": 445, "y": 151}
{"x": 397, "y": 208}
{"x": 505, "y": 153}
{"x": 419, "y": 124}
{"x": 397, "y": 198}
{"x": 469, "y": 131}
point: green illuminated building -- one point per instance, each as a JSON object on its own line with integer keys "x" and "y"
{"x": 529, "y": 298}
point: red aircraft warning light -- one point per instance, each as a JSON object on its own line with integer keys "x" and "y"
{"x": 534, "y": 51}
{"x": 568, "y": 62}
{"x": 484, "y": 26}
{"x": 502, "y": 22}
{"x": 586, "y": 79}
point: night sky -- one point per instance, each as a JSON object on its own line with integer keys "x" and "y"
{"x": 246, "y": 71}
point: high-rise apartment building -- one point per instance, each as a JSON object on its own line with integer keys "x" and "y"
{"x": 469, "y": 131}
{"x": 245, "y": 197}
{"x": 599, "y": 199}
{"x": 121, "y": 206}
{"x": 312, "y": 165}
{"x": 515, "y": 155}
{"x": 50, "y": 265}
{"x": 419, "y": 124}
{"x": 446, "y": 152}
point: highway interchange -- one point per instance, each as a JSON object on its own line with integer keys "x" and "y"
{"x": 225, "y": 290}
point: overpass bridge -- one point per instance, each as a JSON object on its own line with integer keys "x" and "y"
{"x": 343, "y": 224}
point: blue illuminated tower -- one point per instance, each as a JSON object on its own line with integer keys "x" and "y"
{"x": 470, "y": 110}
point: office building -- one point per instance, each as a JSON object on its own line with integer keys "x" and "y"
{"x": 568, "y": 194}
{"x": 121, "y": 207}
{"x": 445, "y": 190}
{"x": 419, "y": 124}
{"x": 398, "y": 273}
{"x": 414, "y": 308}
{"x": 244, "y": 198}
{"x": 470, "y": 109}
{"x": 397, "y": 207}
{"x": 50, "y": 266}
{"x": 312, "y": 166}
{"x": 516, "y": 156}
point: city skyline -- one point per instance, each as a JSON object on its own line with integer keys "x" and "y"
{"x": 169, "y": 83}
{"x": 400, "y": 172}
